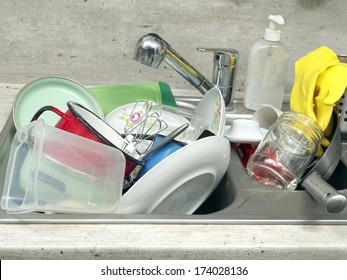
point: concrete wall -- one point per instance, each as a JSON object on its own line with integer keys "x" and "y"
{"x": 93, "y": 41}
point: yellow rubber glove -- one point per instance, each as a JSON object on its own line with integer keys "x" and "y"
{"x": 319, "y": 83}
{"x": 307, "y": 70}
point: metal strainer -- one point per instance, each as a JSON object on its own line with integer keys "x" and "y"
{"x": 342, "y": 105}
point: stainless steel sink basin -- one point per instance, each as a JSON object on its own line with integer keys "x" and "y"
{"x": 238, "y": 199}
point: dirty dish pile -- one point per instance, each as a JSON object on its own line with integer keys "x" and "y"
{"x": 66, "y": 157}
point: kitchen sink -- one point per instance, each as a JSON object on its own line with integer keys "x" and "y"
{"x": 238, "y": 199}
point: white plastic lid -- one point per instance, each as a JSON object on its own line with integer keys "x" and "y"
{"x": 273, "y": 32}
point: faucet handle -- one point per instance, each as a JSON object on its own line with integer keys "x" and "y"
{"x": 225, "y": 63}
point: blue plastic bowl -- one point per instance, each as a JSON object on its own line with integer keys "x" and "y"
{"x": 157, "y": 156}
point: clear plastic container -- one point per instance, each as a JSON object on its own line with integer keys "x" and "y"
{"x": 284, "y": 154}
{"x": 51, "y": 170}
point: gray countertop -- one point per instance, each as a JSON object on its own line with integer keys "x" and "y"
{"x": 158, "y": 241}
{"x": 136, "y": 241}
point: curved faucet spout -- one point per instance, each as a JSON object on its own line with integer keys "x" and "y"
{"x": 151, "y": 50}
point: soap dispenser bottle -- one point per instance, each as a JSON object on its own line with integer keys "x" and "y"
{"x": 267, "y": 68}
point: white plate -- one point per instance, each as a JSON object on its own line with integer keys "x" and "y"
{"x": 211, "y": 110}
{"x": 181, "y": 182}
{"x": 54, "y": 91}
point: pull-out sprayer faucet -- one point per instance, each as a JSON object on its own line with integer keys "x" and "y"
{"x": 151, "y": 50}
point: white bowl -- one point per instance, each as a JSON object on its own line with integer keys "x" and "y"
{"x": 245, "y": 131}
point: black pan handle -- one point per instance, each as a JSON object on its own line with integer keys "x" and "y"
{"x": 323, "y": 193}
{"x": 47, "y": 108}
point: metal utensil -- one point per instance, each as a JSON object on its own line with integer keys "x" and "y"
{"x": 166, "y": 139}
{"x": 144, "y": 122}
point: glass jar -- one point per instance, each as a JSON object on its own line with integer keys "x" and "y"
{"x": 284, "y": 154}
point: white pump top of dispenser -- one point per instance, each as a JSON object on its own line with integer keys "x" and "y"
{"x": 273, "y": 32}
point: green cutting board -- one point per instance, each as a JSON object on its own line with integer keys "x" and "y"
{"x": 112, "y": 97}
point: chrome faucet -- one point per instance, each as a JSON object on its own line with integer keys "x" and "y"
{"x": 224, "y": 71}
{"x": 151, "y": 50}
